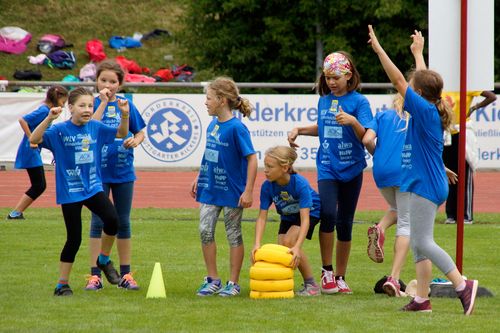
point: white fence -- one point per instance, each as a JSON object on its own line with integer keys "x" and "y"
{"x": 176, "y": 124}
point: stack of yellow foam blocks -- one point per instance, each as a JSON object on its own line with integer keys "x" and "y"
{"x": 272, "y": 276}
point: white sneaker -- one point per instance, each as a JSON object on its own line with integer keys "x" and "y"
{"x": 449, "y": 220}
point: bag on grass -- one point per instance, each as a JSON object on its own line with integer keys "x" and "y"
{"x": 50, "y": 42}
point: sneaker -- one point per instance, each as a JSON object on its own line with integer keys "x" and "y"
{"x": 328, "y": 285}
{"x": 450, "y": 220}
{"x": 343, "y": 287}
{"x": 418, "y": 307}
{"x": 109, "y": 271}
{"x": 209, "y": 287}
{"x": 127, "y": 282}
{"x": 468, "y": 296}
{"x": 375, "y": 248}
{"x": 231, "y": 289}
{"x": 94, "y": 282}
{"x": 15, "y": 217}
{"x": 468, "y": 221}
{"x": 65, "y": 290}
{"x": 309, "y": 290}
{"x": 392, "y": 287}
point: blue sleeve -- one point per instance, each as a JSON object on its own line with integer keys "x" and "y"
{"x": 49, "y": 137}
{"x": 136, "y": 122}
{"x": 36, "y": 117}
{"x": 243, "y": 140}
{"x": 266, "y": 196}
{"x": 373, "y": 124}
{"x": 418, "y": 106}
{"x": 364, "y": 112}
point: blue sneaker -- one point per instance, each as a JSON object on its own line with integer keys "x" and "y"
{"x": 231, "y": 289}
{"x": 209, "y": 287}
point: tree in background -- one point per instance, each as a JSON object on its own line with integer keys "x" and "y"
{"x": 275, "y": 40}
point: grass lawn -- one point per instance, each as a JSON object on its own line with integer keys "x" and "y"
{"x": 29, "y": 268}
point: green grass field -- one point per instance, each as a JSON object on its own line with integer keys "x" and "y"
{"x": 29, "y": 269}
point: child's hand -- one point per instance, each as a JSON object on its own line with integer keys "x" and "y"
{"x": 130, "y": 143}
{"x": 105, "y": 95}
{"x": 295, "y": 252}
{"x": 452, "y": 177}
{"x": 344, "y": 118}
{"x": 417, "y": 47}
{"x": 255, "y": 248}
{"x": 246, "y": 200}
{"x": 33, "y": 145}
{"x": 373, "y": 41}
{"x": 194, "y": 188}
{"x": 294, "y": 133}
{"x": 124, "y": 107}
{"x": 54, "y": 113}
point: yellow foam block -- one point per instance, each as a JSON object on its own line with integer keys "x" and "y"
{"x": 271, "y": 273}
{"x": 273, "y": 256}
{"x": 276, "y": 247}
{"x": 271, "y": 294}
{"x": 271, "y": 285}
{"x": 265, "y": 264}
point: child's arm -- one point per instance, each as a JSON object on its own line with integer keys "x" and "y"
{"x": 344, "y": 118}
{"x": 26, "y": 130}
{"x": 489, "y": 97}
{"x": 104, "y": 97}
{"x": 369, "y": 140}
{"x": 194, "y": 188}
{"x": 134, "y": 141}
{"x": 125, "y": 114}
{"x": 246, "y": 197}
{"x": 304, "y": 228}
{"x": 37, "y": 135}
{"x": 417, "y": 49}
{"x": 394, "y": 74}
{"x": 311, "y": 130}
{"x": 260, "y": 226}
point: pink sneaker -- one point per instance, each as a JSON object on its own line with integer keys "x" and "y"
{"x": 468, "y": 296}
{"x": 418, "y": 307}
{"x": 343, "y": 287}
{"x": 391, "y": 287}
{"x": 328, "y": 285}
{"x": 375, "y": 248}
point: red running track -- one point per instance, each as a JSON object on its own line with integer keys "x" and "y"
{"x": 170, "y": 189}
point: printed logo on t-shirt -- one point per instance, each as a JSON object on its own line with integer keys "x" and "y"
{"x": 284, "y": 196}
{"x": 333, "y": 132}
{"x": 212, "y": 155}
{"x": 84, "y": 157}
{"x": 111, "y": 111}
{"x": 85, "y": 144}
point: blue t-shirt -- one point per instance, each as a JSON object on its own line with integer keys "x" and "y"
{"x": 223, "y": 171}
{"x": 423, "y": 171}
{"x": 28, "y": 157}
{"x": 341, "y": 155}
{"x": 289, "y": 199}
{"x": 77, "y": 152}
{"x": 117, "y": 164}
{"x": 391, "y": 132}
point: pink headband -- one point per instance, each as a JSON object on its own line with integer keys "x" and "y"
{"x": 336, "y": 64}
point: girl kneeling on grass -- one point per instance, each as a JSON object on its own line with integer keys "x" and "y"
{"x": 76, "y": 145}
{"x": 297, "y": 204}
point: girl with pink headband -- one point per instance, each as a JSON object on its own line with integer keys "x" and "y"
{"x": 343, "y": 116}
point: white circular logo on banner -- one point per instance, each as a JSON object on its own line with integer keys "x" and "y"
{"x": 173, "y": 130}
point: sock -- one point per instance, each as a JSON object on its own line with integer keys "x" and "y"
{"x": 460, "y": 287}
{"x": 328, "y": 268}
{"x": 61, "y": 282}
{"x": 103, "y": 259}
{"x": 124, "y": 269}
{"x": 95, "y": 271}
{"x": 419, "y": 299}
{"x": 310, "y": 281}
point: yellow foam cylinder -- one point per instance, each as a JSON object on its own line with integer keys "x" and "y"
{"x": 271, "y": 285}
{"x": 270, "y": 273}
{"x": 271, "y": 294}
{"x": 275, "y": 247}
{"x": 273, "y": 256}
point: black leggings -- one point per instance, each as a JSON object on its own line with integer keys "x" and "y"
{"x": 100, "y": 205}
{"x": 38, "y": 183}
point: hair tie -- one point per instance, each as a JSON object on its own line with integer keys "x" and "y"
{"x": 238, "y": 98}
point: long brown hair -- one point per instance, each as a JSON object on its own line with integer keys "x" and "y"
{"x": 226, "y": 88}
{"x": 430, "y": 86}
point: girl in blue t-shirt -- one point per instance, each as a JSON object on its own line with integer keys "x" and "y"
{"x": 117, "y": 172}
{"x": 297, "y": 204}
{"x": 225, "y": 182}
{"x": 77, "y": 145}
{"x": 28, "y": 155}
{"x": 343, "y": 116}
{"x": 423, "y": 179}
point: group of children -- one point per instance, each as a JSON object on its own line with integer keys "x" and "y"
{"x": 408, "y": 169}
